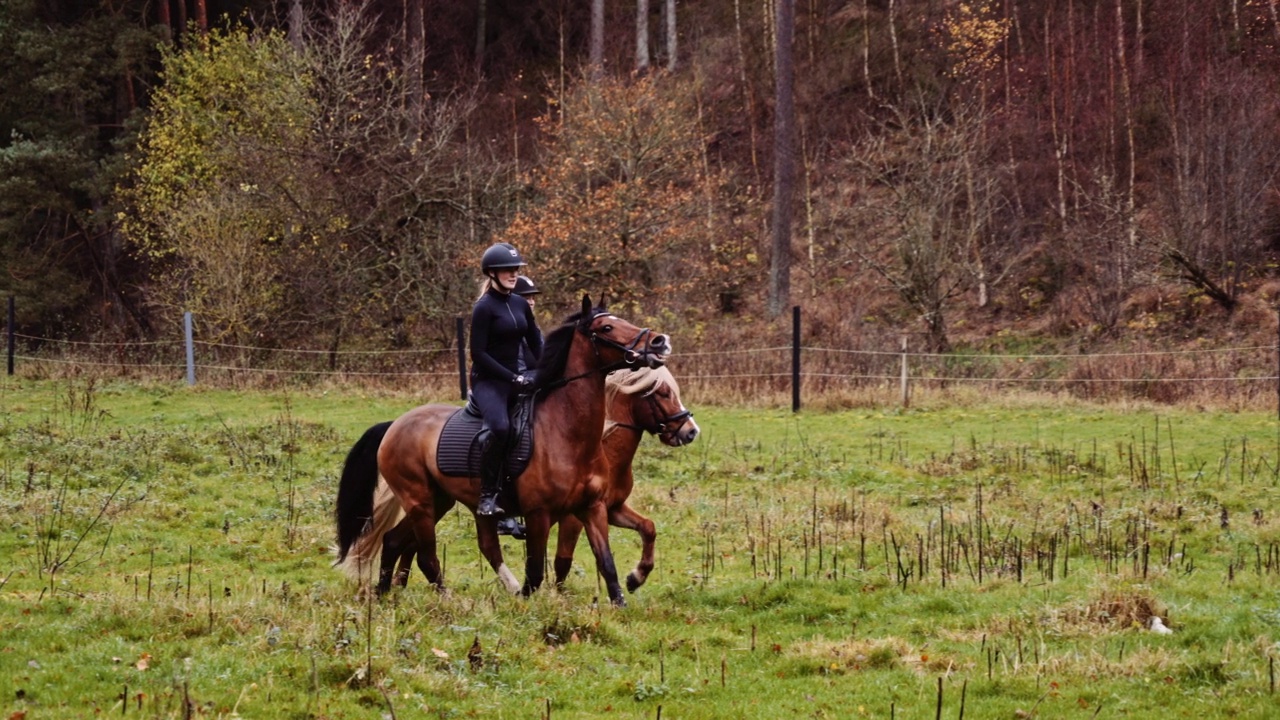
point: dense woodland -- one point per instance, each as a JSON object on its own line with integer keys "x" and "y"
{"x": 326, "y": 174}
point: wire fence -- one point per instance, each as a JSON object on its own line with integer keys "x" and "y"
{"x": 815, "y": 373}
{"x": 1239, "y": 374}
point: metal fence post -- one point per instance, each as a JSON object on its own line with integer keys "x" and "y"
{"x": 906, "y": 388}
{"x": 191, "y": 351}
{"x": 462, "y": 358}
{"x": 795, "y": 358}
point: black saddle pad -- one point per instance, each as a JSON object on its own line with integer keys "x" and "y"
{"x": 458, "y": 453}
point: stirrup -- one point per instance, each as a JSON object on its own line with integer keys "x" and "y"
{"x": 510, "y": 526}
{"x": 489, "y": 506}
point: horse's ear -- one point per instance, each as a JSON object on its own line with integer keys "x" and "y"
{"x": 586, "y": 305}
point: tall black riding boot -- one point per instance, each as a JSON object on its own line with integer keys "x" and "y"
{"x": 492, "y": 466}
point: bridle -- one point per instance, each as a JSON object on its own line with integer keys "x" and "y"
{"x": 631, "y": 357}
{"x": 667, "y": 424}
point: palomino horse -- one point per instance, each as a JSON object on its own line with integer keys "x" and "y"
{"x": 637, "y": 401}
{"x": 566, "y": 474}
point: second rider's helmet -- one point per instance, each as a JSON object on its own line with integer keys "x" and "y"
{"x": 525, "y": 286}
{"x": 501, "y": 256}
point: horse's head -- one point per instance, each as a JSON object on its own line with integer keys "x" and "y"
{"x": 618, "y": 342}
{"x": 656, "y": 408}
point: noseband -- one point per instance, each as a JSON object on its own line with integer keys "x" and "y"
{"x": 668, "y": 423}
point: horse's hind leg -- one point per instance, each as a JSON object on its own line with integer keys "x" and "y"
{"x": 626, "y": 517}
{"x": 566, "y": 542}
{"x": 397, "y": 547}
{"x": 424, "y": 530}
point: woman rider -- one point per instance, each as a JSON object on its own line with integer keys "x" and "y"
{"x": 501, "y": 321}
{"x": 527, "y": 290}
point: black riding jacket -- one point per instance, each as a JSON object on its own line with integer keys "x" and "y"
{"x": 498, "y": 325}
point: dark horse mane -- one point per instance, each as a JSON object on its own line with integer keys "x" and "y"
{"x": 555, "y": 349}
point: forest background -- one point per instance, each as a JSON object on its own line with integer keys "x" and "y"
{"x": 1065, "y": 174}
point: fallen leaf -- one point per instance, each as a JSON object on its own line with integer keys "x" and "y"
{"x": 440, "y": 653}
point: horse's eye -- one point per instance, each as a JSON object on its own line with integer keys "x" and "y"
{"x": 606, "y": 329}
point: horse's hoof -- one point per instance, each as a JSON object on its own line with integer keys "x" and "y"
{"x": 620, "y": 602}
{"x": 633, "y": 583}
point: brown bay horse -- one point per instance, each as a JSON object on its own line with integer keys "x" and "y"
{"x": 639, "y": 401}
{"x": 566, "y": 475}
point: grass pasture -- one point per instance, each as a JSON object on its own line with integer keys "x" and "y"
{"x": 164, "y": 553}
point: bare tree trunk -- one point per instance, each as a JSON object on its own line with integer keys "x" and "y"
{"x": 811, "y": 236}
{"x": 482, "y": 19}
{"x": 1138, "y": 43}
{"x": 784, "y": 162}
{"x": 1275, "y": 19}
{"x": 166, "y": 21}
{"x": 596, "y": 41}
{"x": 182, "y": 16}
{"x": 866, "y": 48}
{"x": 672, "y": 55}
{"x": 1131, "y": 221}
{"x": 642, "y": 36}
{"x": 893, "y": 39}
{"x": 747, "y": 90}
{"x": 1060, "y": 144}
{"x": 415, "y": 50}
{"x": 202, "y": 16}
{"x": 296, "y": 20}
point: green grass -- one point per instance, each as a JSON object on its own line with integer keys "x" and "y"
{"x": 171, "y": 546}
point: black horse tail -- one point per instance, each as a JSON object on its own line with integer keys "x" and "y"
{"x": 354, "y": 510}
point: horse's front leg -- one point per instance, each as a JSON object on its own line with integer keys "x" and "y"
{"x": 566, "y": 542}
{"x": 596, "y": 520}
{"x": 537, "y": 528}
{"x": 491, "y": 548}
{"x": 626, "y": 517}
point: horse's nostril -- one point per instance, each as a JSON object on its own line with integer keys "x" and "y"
{"x": 659, "y": 342}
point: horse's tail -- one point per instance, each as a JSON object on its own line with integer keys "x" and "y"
{"x": 359, "y": 558}
{"x": 354, "y": 512}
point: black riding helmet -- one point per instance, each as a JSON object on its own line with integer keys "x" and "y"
{"x": 525, "y": 286}
{"x": 501, "y": 256}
